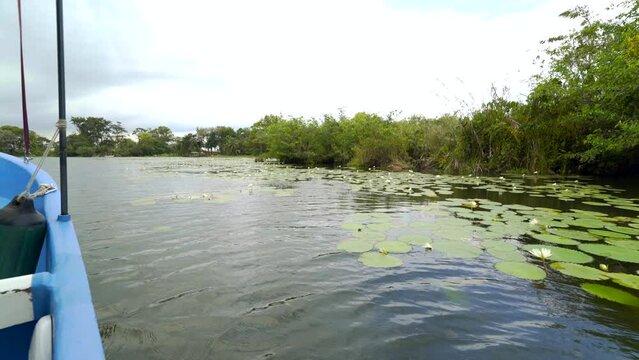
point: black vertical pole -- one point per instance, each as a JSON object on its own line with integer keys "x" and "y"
{"x": 62, "y": 112}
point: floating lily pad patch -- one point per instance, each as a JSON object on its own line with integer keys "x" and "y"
{"x": 385, "y": 226}
{"x": 220, "y": 198}
{"x": 611, "y": 294}
{"x": 429, "y": 193}
{"x": 461, "y": 249}
{"x": 587, "y": 223}
{"x": 579, "y": 271}
{"x": 628, "y": 244}
{"x": 563, "y": 254}
{"x": 369, "y": 235}
{"x": 498, "y": 245}
{"x": 393, "y": 247}
{"x": 555, "y": 239}
{"x": 574, "y": 234}
{"x": 550, "y": 224}
{"x": 506, "y": 255}
{"x": 608, "y": 234}
{"x": 415, "y": 239}
{"x": 352, "y": 226}
{"x": 612, "y": 252}
{"x": 587, "y": 213}
{"x": 355, "y": 246}
{"x": 161, "y": 228}
{"x": 630, "y": 208}
{"x": 521, "y": 270}
{"x": 623, "y": 230}
{"x": 144, "y": 202}
{"x": 379, "y": 260}
{"x": 519, "y": 207}
{"x": 454, "y": 233}
{"x": 627, "y": 280}
{"x": 596, "y": 203}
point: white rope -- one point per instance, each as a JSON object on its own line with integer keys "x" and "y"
{"x": 44, "y": 188}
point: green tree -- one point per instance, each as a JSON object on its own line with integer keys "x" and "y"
{"x": 12, "y": 142}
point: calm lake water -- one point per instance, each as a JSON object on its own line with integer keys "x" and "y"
{"x": 231, "y": 259}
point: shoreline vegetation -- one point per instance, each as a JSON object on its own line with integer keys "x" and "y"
{"x": 580, "y": 117}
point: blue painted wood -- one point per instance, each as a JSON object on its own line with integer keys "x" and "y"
{"x": 60, "y": 286}
{"x": 15, "y": 340}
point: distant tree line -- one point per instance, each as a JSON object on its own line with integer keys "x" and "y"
{"x": 581, "y": 116}
{"x": 11, "y": 141}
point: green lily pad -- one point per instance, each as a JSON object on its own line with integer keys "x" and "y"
{"x": 355, "y": 246}
{"x": 627, "y": 280}
{"x": 394, "y": 247}
{"x": 587, "y": 213}
{"x": 564, "y": 255}
{"x": 609, "y": 234}
{"x": 161, "y": 228}
{"x": 550, "y": 238}
{"x": 623, "y": 229}
{"x": 631, "y": 208}
{"x": 518, "y": 207}
{"x": 144, "y": 202}
{"x": 352, "y": 226}
{"x": 498, "y": 245}
{"x": 506, "y": 255}
{"x": 628, "y": 244}
{"x": 369, "y": 235}
{"x": 380, "y": 226}
{"x": 610, "y": 293}
{"x": 461, "y": 249}
{"x": 378, "y": 260}
{"x": 423, "y": 225}
{"x": 612, "y": 252}
{"x": 587, "y": 223}
{"x": 579, "y": 271}
{"x": 429, "y": 193}
{"x": 521, "y": 270}
{"x": 415, "y": 239}
{"x": 454, "y": 233}
{"x": 595, "y": 203}
{"x": 551, "y": 224}
{"x": 574, "y": 234}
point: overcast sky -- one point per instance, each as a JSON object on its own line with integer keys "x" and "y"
{"x": 190, "y": 63}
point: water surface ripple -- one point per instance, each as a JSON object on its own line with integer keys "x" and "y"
{"x": 229, "y": 259}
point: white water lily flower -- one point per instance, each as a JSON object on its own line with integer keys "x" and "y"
{"x": 534, "y": 222}
{"x": 383, "y": 251}
{"x": 502, "y": 178}
{"x": 603, "y": 267}
{"x": 543, "y": 253}
{"x": 428, "y": 246}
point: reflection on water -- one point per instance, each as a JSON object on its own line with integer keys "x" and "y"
{"x": 230, "y": 259}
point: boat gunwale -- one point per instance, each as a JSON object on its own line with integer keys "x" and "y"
{"x": 61, "y": 282}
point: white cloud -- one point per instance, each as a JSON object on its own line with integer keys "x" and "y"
{"x": 204, "y": 63}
